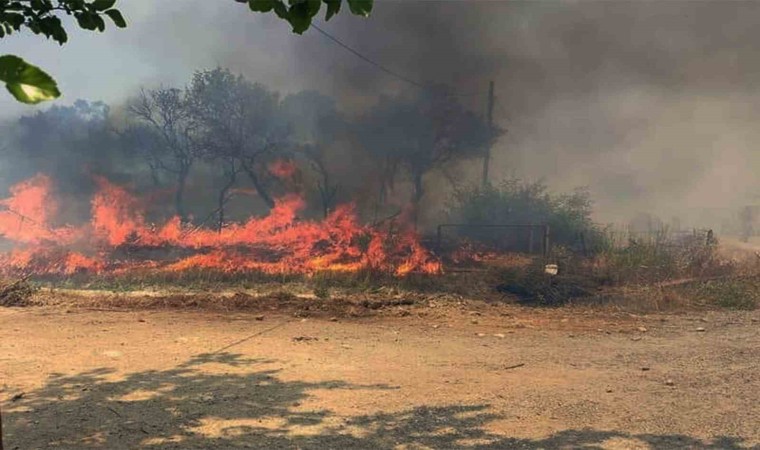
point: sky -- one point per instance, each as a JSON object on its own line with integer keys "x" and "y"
{"x": 651, "y": 105}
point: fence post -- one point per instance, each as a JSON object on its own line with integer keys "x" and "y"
{"x": 546, "y": 241}
{"x": 530, "y": 240}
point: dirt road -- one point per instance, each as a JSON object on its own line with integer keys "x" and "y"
{"x": 477, "y": 378}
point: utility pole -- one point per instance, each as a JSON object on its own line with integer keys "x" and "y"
{"x": 487, "y": 156}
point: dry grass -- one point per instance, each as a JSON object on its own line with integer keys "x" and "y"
{"x": 17, "y": 292}
{"x": 640, "y": 275}
{"x": 280, "y": 302}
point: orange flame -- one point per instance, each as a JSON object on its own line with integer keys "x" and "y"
{"x": 278, "y": 243}
{"x": 282, "y": 168}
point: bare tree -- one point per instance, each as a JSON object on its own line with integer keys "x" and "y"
{"x": 420, "y": 133}
{"x": 166, "y": 136}
{"x": 238, "y": 122}
{"x": 231, "y": 168}
{"x": 315, "y": 125}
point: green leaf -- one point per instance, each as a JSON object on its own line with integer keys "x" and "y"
{"x": 14, "y": 19}
{"x": 102, "y": 5}
{"x": 100, "y": 23}
{"x": 314, "y": 6}
{"x": 333, "y": 8}
{"x": 300, "y": 14}
{"x": 116, "y": 17}
{"x": 360, "y": 7}
{"x": 299, "y": 21}
{"x": 85, "y": 21}
{"x": 281, "y": 10}
{"x": 28, "y": 83}
{"x": 261, "y": 5}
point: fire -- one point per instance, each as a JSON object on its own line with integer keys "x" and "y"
{"x": 283, "y": 169}
{"x": 28, "y": 210}
{"x": 118, "y": 233}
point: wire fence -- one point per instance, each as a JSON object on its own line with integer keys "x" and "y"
{"x": 521, "y": 238}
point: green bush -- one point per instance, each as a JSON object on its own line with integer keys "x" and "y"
{"x": 523, "y": 203}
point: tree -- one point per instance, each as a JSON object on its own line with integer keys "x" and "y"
{"x": 72, "y": 142}
{"x": 166, "y": 136}
{"x": 238, "y": 122}
{"x": 419, "y": 133}
{"x": 30, "y": 84}
{"x": 315, "y": 124}
{"x": 300, "y": 13}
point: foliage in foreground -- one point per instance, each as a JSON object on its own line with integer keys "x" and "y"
{"x": 30, "y": 84}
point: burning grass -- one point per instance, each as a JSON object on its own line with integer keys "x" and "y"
{"x": 118, "y": 240}
{"x": 339, "y": 258}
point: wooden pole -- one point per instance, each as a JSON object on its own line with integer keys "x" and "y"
{"x": 487, "y": 156}
{"x": 530, "y": 241}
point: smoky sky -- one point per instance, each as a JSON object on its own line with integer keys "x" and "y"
{"x": 652, "y": 105}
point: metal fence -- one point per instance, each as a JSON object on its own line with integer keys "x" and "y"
{"x": 527, "y": 238}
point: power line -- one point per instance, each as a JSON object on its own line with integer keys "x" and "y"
{"x": 381, "y": 67}
{"x": 364, "y": 58}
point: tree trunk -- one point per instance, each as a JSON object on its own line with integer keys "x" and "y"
{"x": 223, "y": 198}
{"x": 258, "y": 186}
{"x": 419, "y": 191}
{"x": 179, "y": 195}
{"x": 222, "y": 201}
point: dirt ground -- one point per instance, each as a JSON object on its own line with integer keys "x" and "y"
{"x": 441, "y": 376}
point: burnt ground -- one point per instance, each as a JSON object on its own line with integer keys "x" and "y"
{"x": 435, "y": 374}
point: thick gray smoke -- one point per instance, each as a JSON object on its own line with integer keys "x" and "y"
{"x": 652, "y": 105}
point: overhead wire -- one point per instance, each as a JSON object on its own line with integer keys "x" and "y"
{"x": 385, "y": 69}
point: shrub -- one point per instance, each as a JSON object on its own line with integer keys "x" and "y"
{"x": 659, "y": 256}
{"x": 732, "y": 293}
{"x": 518, "y": 202}
{"x": 16, "y": 293}
{"x": 533, "y": 286}
{"x": 322, "y": 292}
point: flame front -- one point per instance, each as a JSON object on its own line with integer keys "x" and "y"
{"x": 118, "y": 234}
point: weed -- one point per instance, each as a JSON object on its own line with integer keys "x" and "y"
{"x": 17, "y": 293}
{"x": 732, "y": 293}
{"x": 322, "y": 292}
{"x": 532, "y": 285}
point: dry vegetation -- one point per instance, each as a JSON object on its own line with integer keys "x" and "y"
{"x": 657, "y": 274}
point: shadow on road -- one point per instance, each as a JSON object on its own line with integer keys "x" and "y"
{"x": 226, "y": 401}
